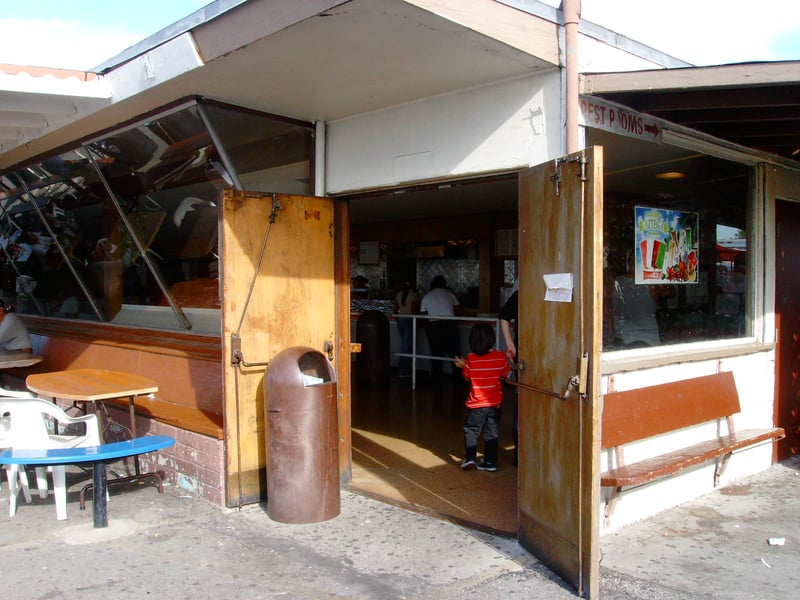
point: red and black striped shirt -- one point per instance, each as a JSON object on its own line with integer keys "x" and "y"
{"x": 485, "y": 372}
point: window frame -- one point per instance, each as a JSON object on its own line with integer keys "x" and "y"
{"x": 757, "y": 338}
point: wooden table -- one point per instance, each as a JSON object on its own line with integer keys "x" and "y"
{"x": 96, "y": 385}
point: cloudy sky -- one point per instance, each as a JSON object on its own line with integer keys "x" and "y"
{"x": 704, "y": 32}
{"x": 81, "y": 34}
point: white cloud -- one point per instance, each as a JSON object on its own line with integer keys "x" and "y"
{"x": 703, "y": 32}
{"x": 61, "y": 44}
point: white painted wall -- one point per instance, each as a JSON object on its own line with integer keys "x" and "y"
{"x": 754, "y": 375}
{"x": 505, "y": 126}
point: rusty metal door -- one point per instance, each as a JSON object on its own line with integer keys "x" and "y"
{"x": 560, "y": 246}
{"x": 277, "y": 256}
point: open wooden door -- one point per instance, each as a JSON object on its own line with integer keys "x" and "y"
{"x": 561, "y": 233}
{"x": 277, "y": 257}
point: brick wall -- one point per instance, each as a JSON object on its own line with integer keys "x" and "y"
{"x": 196, "y": 463}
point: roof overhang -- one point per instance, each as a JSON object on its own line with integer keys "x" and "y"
{"x": 753, "y": 105}
{"x": 318, "y": 60}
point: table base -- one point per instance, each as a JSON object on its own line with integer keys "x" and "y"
{"x": 109, "y": 482}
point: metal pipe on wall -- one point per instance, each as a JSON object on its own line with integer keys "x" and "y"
{"x": 572, "y": 17}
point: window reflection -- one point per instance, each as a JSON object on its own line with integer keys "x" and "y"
{"x": 124, "y": 229}
{"x": 713, "y": 306}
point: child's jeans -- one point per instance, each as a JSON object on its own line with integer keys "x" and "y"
{"x": 488, "y": 421}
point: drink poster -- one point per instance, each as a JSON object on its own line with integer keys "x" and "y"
{"x": 667, "y": 246}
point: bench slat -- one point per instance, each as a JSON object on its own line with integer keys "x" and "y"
{"x": 102, "y": 453}
{"x": 189, "y": 418}
{"x": 634, "y": 415}
{"x": 672, "y": 462}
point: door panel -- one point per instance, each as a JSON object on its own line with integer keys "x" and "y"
{"x": 560, "y": 231}
{"x": 787, "y": 321}
{"x": 288, "y": 243}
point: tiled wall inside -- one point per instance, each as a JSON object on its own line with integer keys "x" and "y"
{"x": 461, "y": 275}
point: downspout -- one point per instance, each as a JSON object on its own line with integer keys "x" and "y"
{"x": 572, "y": 17}
{"x": 587, "y": 586}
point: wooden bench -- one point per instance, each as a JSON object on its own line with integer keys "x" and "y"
{"x": 642, "y": 413}
{"x": 181, "y": 416}
{"x": 97, "y": 456}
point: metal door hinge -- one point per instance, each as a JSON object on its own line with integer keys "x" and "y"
{"x": 582, "y": 162}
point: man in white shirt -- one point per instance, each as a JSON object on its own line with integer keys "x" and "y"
{"x": 442, "y": 333}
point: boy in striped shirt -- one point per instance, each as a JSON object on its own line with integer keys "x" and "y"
{"x": 485, "y": 369}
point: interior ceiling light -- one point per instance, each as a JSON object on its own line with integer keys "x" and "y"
{"x": 671, "y": 175}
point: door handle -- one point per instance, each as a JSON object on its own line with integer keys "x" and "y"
{"x": 572, "y": 385}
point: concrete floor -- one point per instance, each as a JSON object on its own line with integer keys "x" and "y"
{"x": 175, "y": 546}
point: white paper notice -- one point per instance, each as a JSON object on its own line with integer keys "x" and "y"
{"x": 559, "y": 287}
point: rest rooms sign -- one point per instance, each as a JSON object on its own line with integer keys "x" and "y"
{"x": 617, "y": 119}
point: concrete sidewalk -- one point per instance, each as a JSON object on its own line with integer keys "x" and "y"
{"x": 176, "y": 546}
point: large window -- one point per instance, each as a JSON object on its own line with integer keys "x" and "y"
{"x": 124, "y": 228}
{"x": 675, "y": 233}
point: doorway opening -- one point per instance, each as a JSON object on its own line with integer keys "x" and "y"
{"x": 408, "y": 441}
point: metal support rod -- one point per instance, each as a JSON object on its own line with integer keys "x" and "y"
{"x": 237, "y": 358}
{"x": 220, "y": 147}
{"x": 89, "y": 296}
{"x": 177, "y": 310}
{"x": 16, "y": 270}
{"x": 276, "y": 206}
{"x": 31, "y": 198}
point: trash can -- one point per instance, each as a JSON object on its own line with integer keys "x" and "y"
{"x": 372, "y": 332}
{"x": 302, "y": 437}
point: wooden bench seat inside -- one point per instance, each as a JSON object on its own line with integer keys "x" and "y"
{"x": 189, "y": 418}
{"x": 635, "y": 415}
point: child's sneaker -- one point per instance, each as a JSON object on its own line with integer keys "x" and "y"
{"x": 468, "y": 464}
{"x": 486, "y": 466}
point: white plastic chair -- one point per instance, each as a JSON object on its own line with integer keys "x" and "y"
{"x": 41, "y": 477}
{"x": 23, "y": 475}
{"x": 25, "y": 428}
{"x": 4, "y": 393}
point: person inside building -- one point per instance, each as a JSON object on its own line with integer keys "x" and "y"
{"x": 634, "y": 309}
{"x": 442, "y": 334}
{"x": 509, "y": 315}
{"x": 13, "y": 333}
{"x": 406, "y": 303}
